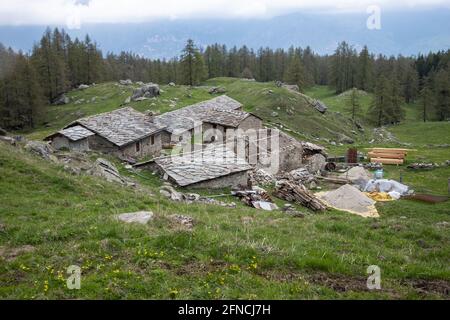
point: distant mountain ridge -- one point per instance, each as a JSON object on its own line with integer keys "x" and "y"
{"x": 406, "y": 32}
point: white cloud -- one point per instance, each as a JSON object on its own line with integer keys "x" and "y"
{"x": 74, "y": 12}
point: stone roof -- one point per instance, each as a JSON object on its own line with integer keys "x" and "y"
{"x": 213, "y": 162}
{"x": 121, "y": 127}
{"x": 185, "y": 118}
{"x": 76, "y": 133}
{"x": 228, "y": 118}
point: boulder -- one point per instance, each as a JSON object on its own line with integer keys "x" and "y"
{"x": 140, "y": 83}
{"x": 170, "y": 192}
{"x": 83, "y": 86}
{"x": 105, "y": 169}
{"x": 358, "y": 176}
{"x": 141, "y": 217}
{"x": 127, "y": 100}
{"x": 171, "y": 84}
{"x": 342, "y": 138}
{"x": 127, "y": 82}
{"x": 61, "y": 100}
{"x": 41, "y": 149}
{"x": 320, "y": 106}
{"x": 147, "y": 91}
{"x": 8, "y": 140}
{"x": 316, "y": 163}
{"x": 217, "y": 90}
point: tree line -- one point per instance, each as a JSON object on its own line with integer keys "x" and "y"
{"x": 58, "y": 63}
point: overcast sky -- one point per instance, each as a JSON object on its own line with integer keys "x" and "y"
{"x": 73, "y": 13}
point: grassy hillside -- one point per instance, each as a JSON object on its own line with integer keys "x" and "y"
{"x": 50, "y": 219}
{"x": 261, "y": 98}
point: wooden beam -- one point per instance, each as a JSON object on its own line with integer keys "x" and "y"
{"x": 386, "y": 161}
{"x": 387, "y": 155}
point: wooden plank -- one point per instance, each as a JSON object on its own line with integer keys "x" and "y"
{"x": 397, "y": 149}
{"x": 386, "y": 161}
{"x": 386, "y": 155}
{"x": 389, "y": 151}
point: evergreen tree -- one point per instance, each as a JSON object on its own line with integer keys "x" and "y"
{"x": 295, "y": 72}
{"x": 192, "y": 65}
{"x": 353, "y": 105}
{"x": 426, "y": 100}
{"x": 442, "y": 94}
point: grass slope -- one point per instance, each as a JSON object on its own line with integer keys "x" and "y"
{"x": 230, "y": 253}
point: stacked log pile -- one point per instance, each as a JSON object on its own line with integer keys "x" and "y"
{"x": 298, "y": 193}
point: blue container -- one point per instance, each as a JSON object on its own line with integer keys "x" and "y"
{"x": 378, "y": 174}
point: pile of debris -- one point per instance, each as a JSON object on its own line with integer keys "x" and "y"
{"x": 261, "y": 177}
{"x": 314, "y": 156}
{"x": 257, "y": 198}
{"x": 300, "y": 176}
{"x": 298, "y": 193}
{"x": 350, "y": 199}
{"x": 169, "y": 192}
{"x": 393, "y": 188}
{"x": 428, "y": 166}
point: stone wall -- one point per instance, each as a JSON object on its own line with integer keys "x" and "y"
{"x": 146, "y": 147}
{"x": 232, "y": 180}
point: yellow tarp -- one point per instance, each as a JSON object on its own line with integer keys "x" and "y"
{"x": 379, "y": 196}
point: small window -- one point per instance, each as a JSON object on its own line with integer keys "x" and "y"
{"x": 214, "y": 126}
{"x": 138, "y": 146}
{"x": 152, "y": 140}
{"x": 180, "y": 138}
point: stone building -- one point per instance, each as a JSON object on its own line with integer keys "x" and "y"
{"x": 75, "y": 138}
{"x": 215, "y": 166}
{"x": 124, "y": 132}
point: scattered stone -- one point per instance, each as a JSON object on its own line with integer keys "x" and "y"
{"x": 127, "y": 100}
{"x": 149, "y": 90}
{"x": 79, "y": 101}
{"x": 140, "y": 83}
{"x": 61, "y": 100}
{"x": 171, "y": 84}
{"x": 427, "y": 166}
{"x": 83, "y": 86}
{"x": 141, "y": 217}
{"x": 274, "y": 114}
{"x": 185, "y": 221}
{"x": 127, "y": 82}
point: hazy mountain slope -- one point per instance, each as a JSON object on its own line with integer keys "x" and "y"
{"x": 406, "y": 32}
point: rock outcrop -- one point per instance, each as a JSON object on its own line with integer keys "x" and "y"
{"x": 149, "y": 90}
